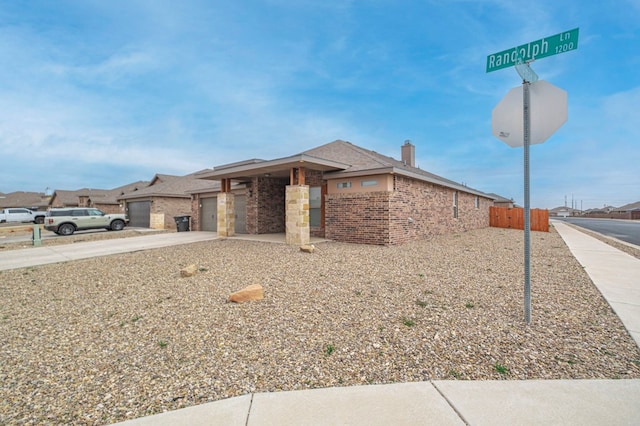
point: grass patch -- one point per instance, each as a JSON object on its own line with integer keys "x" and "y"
{"x": 469, "y": 305}
{"x": 501, "y": 368}
{"x": 421, "y": 303}
{"x": 568, "y": 361}
{"x": 408, "y": 322}
{"x": 162, "y": 343}
{"x": 329, "y": 349}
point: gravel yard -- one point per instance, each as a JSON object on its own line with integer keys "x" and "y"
{"x": 113, "y": 338}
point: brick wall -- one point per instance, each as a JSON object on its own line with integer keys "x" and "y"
{"x": 358, "y": 217}
{"x": 414, "y": 210}
{"x": 109, "y": 208}
{"x": 430, "y": 208}
{"x": 266, "y": 205}
{"x": 171, "y": 207}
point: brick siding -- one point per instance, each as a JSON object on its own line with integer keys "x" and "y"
{"x": 171, "y": 207}
{"x": 383, "y": 218}
{"x": 265, "y": 205}
{"x": 361, "y": 218}
{"x": 195, "y": 212}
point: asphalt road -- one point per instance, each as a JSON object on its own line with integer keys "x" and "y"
{"x": 625, "y": 230}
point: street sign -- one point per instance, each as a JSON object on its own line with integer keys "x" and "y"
{"x": 547, "y": 110}
{"x": 548, "y": 46}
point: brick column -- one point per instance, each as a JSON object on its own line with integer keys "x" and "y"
{"x": 297, "y": 214}
{"x": 226, "y": 215}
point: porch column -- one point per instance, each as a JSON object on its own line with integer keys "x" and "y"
{"x": 226, "y": 215}
{"x": 297, "y": 214}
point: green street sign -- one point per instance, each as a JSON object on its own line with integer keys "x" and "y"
{"x": 548, "y": 46}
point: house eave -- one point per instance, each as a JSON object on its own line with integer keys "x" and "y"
{"x": 406, "y": 173}
{"x": 273, "y": 168}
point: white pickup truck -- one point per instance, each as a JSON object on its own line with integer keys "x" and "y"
{"x": 21, "y": 215}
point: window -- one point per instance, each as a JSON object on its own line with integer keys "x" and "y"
{"x": 477, "y": 202}
{"x": 315, "y": 206}
{"x": 342, "y": 185}
{"x": 369, "y": 183}
{"x": 455, "y": 204}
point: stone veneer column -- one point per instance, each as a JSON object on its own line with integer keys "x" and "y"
{"x": 297, "y": 214}
{"x": 226, "y": 215}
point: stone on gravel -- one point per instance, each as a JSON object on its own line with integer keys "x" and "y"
{"x": 252, "y": 292}
{"x": 308, "y": 248}
{"x": 189, "y": 271}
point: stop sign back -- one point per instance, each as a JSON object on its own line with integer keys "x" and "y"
{"x": 547, "y": 112}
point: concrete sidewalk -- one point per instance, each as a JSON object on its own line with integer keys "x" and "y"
{"x": 438, "y": 402}
{"x": 13, "y": 259}
{"x": 447, "y": 402}
{"x": 614, "y": 272}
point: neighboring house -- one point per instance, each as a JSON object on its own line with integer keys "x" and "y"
{"x": 499, "y": 201}
{"x": 103, "y": 199}
{"x": 563, "y": 211}
{"x": 346, "y": 193}
{"x": 628, "y": 211}
{"x": 29, "y": 200}
{"x": 165, "y": 198}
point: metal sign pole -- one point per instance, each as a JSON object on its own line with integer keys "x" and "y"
{"x": 527, "y": 224}
{"x": 503, "y": 122}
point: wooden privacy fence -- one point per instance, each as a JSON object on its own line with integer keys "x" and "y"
{"x": 503, "y": 217}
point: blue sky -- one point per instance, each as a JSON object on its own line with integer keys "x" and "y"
{"x": 103, "y": 93}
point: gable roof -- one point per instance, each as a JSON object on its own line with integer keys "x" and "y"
{"x": 499, "y": 198}
{"x": 101, "y": 196}
{"x": 337, "y": 159}
{"x": 629, "y": 207}
{"x": 170, "y": 186}
{"x": 23, "y": 199}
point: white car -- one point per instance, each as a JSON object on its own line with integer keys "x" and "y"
{"x": 66, "y": 221}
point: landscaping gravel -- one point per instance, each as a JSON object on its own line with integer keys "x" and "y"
{"x": 108, "y": 339}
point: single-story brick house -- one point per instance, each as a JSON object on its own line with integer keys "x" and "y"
{"x": 345, "y": 193}
{"x": 21, "y": 199}
{"x": 165, "y": 198}
{"x": 103, "y": 199}
{"x": 500, "y": 201}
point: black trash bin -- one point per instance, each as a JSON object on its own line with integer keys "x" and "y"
{"x": 182, "y": 223}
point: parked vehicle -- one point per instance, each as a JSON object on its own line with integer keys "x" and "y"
{"x": 66, "y": 221}
{"x": 21, "y": 215}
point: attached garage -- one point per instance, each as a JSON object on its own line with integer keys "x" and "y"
{"x": 139, "y": 213}
{"x": 208, "y": 214}
{"x": 240, "y": 205}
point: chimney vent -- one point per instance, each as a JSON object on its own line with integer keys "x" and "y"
{"x": 409, "y": 153}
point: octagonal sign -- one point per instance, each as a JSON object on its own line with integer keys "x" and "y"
{"x": 547, "y": 112}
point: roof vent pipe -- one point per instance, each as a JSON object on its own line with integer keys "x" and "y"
{"x": 409, "y": 153}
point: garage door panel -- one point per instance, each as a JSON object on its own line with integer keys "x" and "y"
{"x": 139, "y": 213}
{"x": 240, "y": 206}
{"x": 208, "y": 210}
